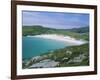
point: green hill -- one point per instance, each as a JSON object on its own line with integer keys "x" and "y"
{"x": 78, "y": 33}
{"x": 80, "y": 30}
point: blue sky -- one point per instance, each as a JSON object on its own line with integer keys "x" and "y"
{"x": 56, "y": 20}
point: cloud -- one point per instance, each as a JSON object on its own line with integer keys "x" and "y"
{"x": 55, "y": 19}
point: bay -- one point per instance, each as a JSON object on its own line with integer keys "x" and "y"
{"x": 34, "y": 46}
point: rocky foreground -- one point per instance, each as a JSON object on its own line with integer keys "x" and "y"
{"x": 66, "y": 57}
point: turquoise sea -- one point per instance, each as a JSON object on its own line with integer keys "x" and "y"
{"x": 32, "y": 46}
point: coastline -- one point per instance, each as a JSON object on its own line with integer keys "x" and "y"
{"x": 60, "y": 38}
{"x": 54, "y": 59}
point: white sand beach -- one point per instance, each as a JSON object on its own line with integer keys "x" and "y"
{"x": 61, "y": 38}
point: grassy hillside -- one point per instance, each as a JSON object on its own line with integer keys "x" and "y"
{"x": 78, "y": 33}
{"x": 66, "y": 56}
{"x": 80, "y": 30}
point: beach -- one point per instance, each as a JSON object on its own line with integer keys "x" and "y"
{"x": 60, "y": 38}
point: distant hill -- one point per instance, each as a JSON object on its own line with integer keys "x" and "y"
{"x": 78, "y": 33}
{"x": 80, "y": 30}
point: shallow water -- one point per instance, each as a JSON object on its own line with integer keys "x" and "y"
{"x": 34, "y": 46}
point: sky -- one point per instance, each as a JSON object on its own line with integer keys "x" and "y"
{"x": 58, "y": 20}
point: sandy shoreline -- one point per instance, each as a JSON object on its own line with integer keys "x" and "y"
{"x": 60, "y": 38}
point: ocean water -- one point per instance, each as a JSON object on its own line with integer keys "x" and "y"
{"x": 33, "y": 46}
